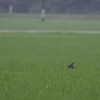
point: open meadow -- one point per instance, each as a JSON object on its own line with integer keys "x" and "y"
{"x": 34, "y": 66}
{"x": 58, "y": 23}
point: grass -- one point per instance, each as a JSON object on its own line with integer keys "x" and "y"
{"x": 30, "y": 24}
{"x": 51, "y": 16}
{"x": 34, "y": 66}
{"x": 60, "y": 22}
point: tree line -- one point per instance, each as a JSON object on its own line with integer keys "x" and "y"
{"x": 51, "y": 6}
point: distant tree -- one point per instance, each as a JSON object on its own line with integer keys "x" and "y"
{"x": 24, "y": 5}
{"x": 56, "y": 6}
{"x": 10, "y": 3}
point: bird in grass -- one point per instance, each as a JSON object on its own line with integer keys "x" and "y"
{"x": 71, "y": 65}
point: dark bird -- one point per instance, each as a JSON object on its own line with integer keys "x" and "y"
{"x": 71, "y": 65}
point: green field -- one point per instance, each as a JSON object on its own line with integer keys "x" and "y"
{"x": 60, "y": 22}
{"x": 30, "y": 24}
{"x": 34, "y": 66}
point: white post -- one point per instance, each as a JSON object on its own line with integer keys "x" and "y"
{"x": 43, "y": 14}
{"x": 10, "y": 8}
{"x": 43, "y": 10}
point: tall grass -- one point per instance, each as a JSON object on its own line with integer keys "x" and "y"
{"x": 34, "y": 66}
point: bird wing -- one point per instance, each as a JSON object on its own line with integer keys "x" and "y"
{"x": 71, "y": 64}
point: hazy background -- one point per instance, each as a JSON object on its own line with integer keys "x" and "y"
{"x": 51, "y": 6}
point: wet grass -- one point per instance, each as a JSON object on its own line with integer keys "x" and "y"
{"x": 34, "y": 66}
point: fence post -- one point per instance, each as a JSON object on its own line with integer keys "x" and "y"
{"x": 43, "y": 10}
